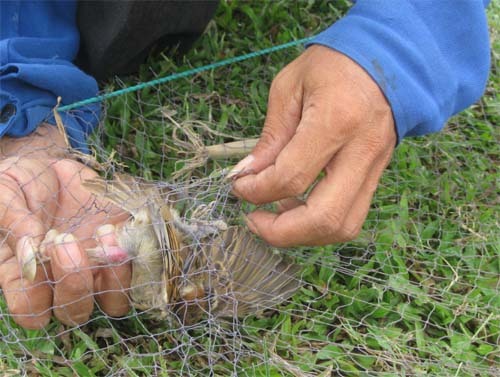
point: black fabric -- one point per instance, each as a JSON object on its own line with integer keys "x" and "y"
{"x": 117, "y": 36}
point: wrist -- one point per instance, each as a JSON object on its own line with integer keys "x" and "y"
{"x": 46, "y": 140}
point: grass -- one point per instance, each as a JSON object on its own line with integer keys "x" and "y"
{"x": 416, "y": 294}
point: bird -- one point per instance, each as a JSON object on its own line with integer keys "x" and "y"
{"x": 188, "y": 269}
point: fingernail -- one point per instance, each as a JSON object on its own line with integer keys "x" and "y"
{"x": 49, "y": 238}
{"x": 105, "y": 230}
{"x": 106, "y": 233}
{"x": 241, "y": 167}
{"x": 27, "y": 258}
{"x": 67, "y": 252}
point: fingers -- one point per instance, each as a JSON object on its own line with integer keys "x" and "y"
{"x": 288, "y": 204}
{"x": 25, "y": 192}
{"x": 70, "y": 298}
{"x": 29, "y": 303}
{"x": 329, "y": 119}
{"x": 36, "y": 195}
{"x": 113, "y": 281}
{"x": 283, "y": 115}
{"x": 353, "y": 221}
{"x": 110, "y": 282}
{"x": 346, "y": 129}
{"x": 73, "y": 281}
{"x": 350, "y": 224}
{"x": 336, "y": 208}
{"x": 299, "y": 162}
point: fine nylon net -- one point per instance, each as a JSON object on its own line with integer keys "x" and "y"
{"x": 417, "y": 293}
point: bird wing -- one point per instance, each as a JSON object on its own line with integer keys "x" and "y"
{"x": 170, "y": 246}
{"x": 245, "y": 275}
{"x": 146, "y": 203}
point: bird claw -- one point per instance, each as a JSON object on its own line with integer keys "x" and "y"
{"x": 197, "y": 227}
{"x": 200, "y": 229}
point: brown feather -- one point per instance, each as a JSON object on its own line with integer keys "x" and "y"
{"x": 149, "y": 236}
{"x": 230, "y": 274}
{"x": 240, "y": 275}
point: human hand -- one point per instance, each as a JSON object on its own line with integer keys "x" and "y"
{"x": 41, "y": 191}
{"x": 325, "y": 114}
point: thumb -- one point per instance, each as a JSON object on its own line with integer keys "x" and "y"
{"x": 283, "y": 116}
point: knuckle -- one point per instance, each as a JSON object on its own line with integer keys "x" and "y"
{"x": 279, "y": 86}
{"x": 375, "y": 145}
{"x": 327, "y": 224}
{"x": 245, "y": 189}
{"x": 276, "y": 126}
{"x": 349, "y": 119}
{"x": 348, "y": 233}
{"x": 75, "y": 284}
{"x": 268, "y": 138}
{"x": 294, "y": 185}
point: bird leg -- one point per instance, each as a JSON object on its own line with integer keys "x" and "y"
{"x": 199, "y": 225}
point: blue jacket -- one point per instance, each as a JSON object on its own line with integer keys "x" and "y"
{"x": 430, "y": 58}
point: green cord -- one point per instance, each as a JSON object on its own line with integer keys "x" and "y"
{"x": 179, "y": 75}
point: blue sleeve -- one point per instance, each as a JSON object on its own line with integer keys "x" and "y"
{"x": 430, "y": 58}
{"x": 38, "y": 42}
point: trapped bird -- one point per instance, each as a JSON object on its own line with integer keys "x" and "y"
{"x": 193, "y": 267}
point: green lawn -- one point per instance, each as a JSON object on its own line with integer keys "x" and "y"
{"x": 418, "y": 293}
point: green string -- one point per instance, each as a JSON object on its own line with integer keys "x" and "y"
{"x": 189, "y": 72}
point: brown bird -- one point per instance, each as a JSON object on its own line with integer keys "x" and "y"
{"x": 188, "y": 269}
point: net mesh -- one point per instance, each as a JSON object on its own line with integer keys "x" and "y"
{"x": 417, "y": 293}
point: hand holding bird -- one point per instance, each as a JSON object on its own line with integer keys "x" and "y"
{"x": 41, "y": 197}
{"x": 217, "y": 270}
